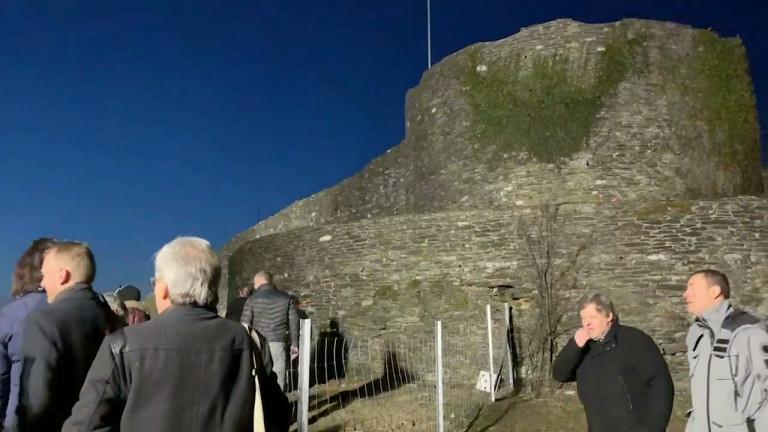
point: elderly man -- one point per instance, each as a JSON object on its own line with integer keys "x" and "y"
{"x": 274, "y": 314}
{"x": 61, "y": 341}
{"x": 186, "y": 370}
{"x": 623, "y": 381}
{"x": 728, "y": 359}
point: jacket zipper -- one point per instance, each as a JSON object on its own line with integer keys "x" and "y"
{"x": 626, "y": 393}
{"x": 709, "y": 367}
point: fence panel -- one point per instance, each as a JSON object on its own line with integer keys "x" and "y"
{"x": 389, "y": 382}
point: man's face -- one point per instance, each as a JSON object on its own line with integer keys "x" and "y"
{"x": 596, "y": 323}
{"x": 51, "y": 281}
{"x": 700, "y": 296}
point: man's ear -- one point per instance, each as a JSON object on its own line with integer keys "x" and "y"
{"x": 716, "y": 291}
{"x": 64, "y": 276}
{"x": 161, "y": 290}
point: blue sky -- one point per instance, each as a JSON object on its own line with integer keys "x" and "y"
{"x": 126, "y": 125}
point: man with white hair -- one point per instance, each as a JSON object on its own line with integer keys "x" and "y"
{"x": 188, "y": 369}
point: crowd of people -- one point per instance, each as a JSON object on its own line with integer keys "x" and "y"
{"x": 75, "y": 360}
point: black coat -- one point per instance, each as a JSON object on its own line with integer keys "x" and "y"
{"x": 235, "y": 308}
{"x": 186, "y": 370}
{"x": 623, "y": 382}
{"x": 60, "y": 342}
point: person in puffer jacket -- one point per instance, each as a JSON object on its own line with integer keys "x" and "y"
{"x": 274, "y": 314}
{"x": 29, "y": 296}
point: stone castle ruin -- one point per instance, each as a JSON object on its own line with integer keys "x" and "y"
{"x": 644, "y": 134}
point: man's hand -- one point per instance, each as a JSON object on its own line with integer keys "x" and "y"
{"x": 581, "y": 337}
{"x": 294, "y": 352}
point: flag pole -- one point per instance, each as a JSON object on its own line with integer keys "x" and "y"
{"x": 429, "y": 36}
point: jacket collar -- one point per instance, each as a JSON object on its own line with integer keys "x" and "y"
{"x": 714, "y": 318}
{"x": 609, "y": 340}
{"x": 187, "y": 311}
{"x": 266, "y": 286}
{"x": 76, "y": 291}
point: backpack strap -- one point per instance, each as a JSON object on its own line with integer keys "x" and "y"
{"x": 258, "y": 409}
{"x": 735, "y": 319}
{"x": 117, "y": 344}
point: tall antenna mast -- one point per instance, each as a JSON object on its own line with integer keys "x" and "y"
{"x": 429, "y": 36}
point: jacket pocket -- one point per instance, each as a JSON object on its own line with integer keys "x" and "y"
{"x": 693, "y": 361}
{"x": 735, "y": 426}
{"x": 628, "y": 396}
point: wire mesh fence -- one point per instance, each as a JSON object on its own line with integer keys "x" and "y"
{"x": 390, "y": 382}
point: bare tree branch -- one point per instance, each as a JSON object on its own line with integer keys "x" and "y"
{"x": 555, "y": 269}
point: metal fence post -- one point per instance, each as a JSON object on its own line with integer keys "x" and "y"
{"x": 508, "y": 335}
{"x": 305, "y": 336}
{"x": 439, "y": 373}
{"x": 491, "y": 381}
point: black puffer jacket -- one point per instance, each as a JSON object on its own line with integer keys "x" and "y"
{"x": 623, "y": 382}
{"x": 273, "y": 313}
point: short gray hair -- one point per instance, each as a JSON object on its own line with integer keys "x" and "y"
{"x": 602, "y": 303}
{"x": 264, "y": 275}
{"x": 191, "y": 269}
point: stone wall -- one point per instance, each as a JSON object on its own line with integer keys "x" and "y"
{"x": 640, "y": 147}
{"x": 765, "y": 180}
{"x": 399, "y": 274}
{"x": 429, "y": 230}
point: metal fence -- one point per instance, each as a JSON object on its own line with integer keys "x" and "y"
{"x": 421, "y": 382}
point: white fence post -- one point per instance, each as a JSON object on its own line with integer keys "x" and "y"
{"x": 439, "y": 373}
{"x": 491, "y": 381}
{"x": 305, "y": 339}
{"x": 508, "y": 336}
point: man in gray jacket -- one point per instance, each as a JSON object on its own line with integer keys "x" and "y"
{"x": 728, "y": 359}
{"x": 274, "y": 314}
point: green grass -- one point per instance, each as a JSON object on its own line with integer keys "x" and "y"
{"x": 546, "y": 106}
{"x": 724, "y": 140}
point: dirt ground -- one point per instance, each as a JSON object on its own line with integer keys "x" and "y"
{"x": 411, "y": 408}
{"x": 560, "y": 413}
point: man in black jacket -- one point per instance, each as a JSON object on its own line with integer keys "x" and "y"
{"x": 235, "y": 306}
{"x": 274, "y": 314}
{"x": 61, "y": 341}
{"x": 186, "y": 370}
{"x": 622, "y": 379}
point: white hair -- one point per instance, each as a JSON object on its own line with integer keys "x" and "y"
{"x": 191, "y": 269}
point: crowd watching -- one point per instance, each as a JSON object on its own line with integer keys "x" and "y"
{"x": 72, "y": 359}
